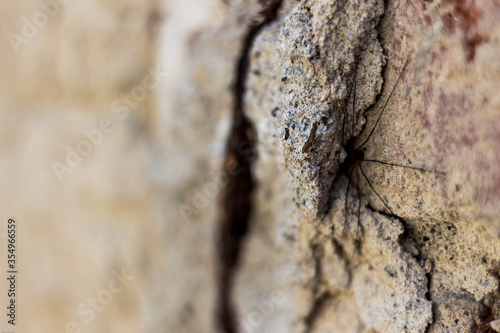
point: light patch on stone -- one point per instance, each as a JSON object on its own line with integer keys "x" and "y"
{"x": 495, "y": 324}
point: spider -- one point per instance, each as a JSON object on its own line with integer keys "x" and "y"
{"x": 353, "y": 163}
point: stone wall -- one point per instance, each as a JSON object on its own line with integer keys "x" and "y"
{"x": 415, "y": 247}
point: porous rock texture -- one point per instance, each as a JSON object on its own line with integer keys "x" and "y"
{"x": 323, "y": 43}
{"x": 426, "y": 260}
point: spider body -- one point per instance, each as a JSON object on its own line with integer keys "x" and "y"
{"x": 352, "y": 165}
{"x": 354, "y": 157}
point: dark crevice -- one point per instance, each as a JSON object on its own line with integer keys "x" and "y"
{"x": 237, "y": 197}
{"x": 434, "y": 316}
{"x": 482, "y": 324}
{"x": 316, "y": 309}
{"x": 428, "y": 297}
{"x": 319, "y": 297}
{"x": 317, "y": 254}
{"x": 340, "y": 251}
{"x": 490, "y": 305}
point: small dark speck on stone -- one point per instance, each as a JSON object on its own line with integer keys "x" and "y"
{"x": 274, "y": 112}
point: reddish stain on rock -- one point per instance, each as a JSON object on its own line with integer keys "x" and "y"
{"x": 470, "y": 45}
{"x": 425, "y": 118}
{"x": 449, "y": 22}
{"x": 421, "y": 6}
{"x": 422, "y": 112}
{"x": 428, "y": 96}
{"x": 455, "y": 131}
{"x": 438, "y": 59}
{"x": 451, "y": 109}
{"x": 464, "y": 15}
{"x": 397, "y": 46}
{"x": 465, "y": 12}
{"x": 489, "y": 166}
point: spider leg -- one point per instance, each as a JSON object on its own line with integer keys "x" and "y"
{"x": 405, "y": 166}
{"x": 359, "y": 204}
{"x": 385, "y": 106}
{"x": 346, "y": 198}
{"x": 343, "y": 125}
{"x": 354, "y": 101}
{"x": 344, "y": 116}
{"x": 371, "y": 186}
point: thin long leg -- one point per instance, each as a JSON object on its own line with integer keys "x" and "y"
{"x": 344, "y": 117}
{"x": 354, "y": 101}
{"x": 359, "y": 204}
{"x": 385, "y": 105}
{"x": 405, "y": 166}
{"x": 347, "y": 196}
{"x": 343, "y": 125}
{"x": 371, "y": 186}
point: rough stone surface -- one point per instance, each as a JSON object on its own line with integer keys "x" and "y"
{"x": 403, "y": 250}
{"x": 324, "y": 43}
{"x": 433, "y": 266}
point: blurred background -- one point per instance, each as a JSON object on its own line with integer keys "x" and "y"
{"x": 90, "y": 164}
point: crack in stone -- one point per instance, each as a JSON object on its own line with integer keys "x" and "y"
{"x": 428, "y": 296}
{"x": 428, "y": 275}
{"x": 237, "y": 198}
{"x": 319, "y": 297}
{"x": 316, "y": 309}
{"x": 405, "y": 236}
{"x": 339, "y": 249}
